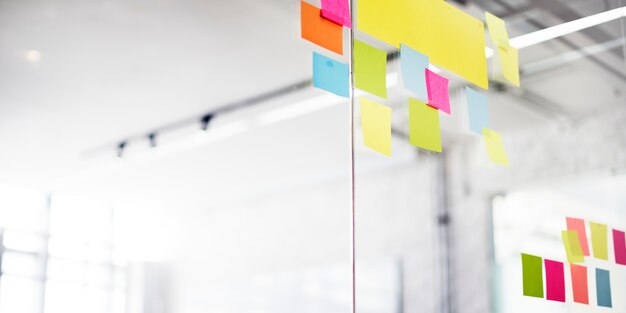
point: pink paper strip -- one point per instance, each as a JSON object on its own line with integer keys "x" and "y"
{"x": 619, "y": 243}
{"x": 337, "y": 11}
{"x": 555, "y": 280}
{"x": 579, "y": 283}
{"x": 579, "y": 226}
{"x": 438, "y": 95}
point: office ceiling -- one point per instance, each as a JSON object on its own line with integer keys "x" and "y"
{"x": 81, "y": 74}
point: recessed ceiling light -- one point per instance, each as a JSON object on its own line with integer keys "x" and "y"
{"x": 32, "y": 56}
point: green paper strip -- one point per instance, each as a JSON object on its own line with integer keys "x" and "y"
{"x": 533, "y": 275}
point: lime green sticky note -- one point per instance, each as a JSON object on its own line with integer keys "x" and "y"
{"x": 533, "y": 275}
{"x": 598, "y": 240}
{"x": 376, "y": 125}
{"x": 424, "y": 131}
{"x": 495, "y": 147}
{"x": 572, "y": 246}
{"x": 370, "y": 69}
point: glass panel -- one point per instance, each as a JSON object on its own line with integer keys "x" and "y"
{"x": 22, "y": 209}
{"x": 21, "y": 241}
{"x": 19, "y": 295}
{"x": 21, "y": 264}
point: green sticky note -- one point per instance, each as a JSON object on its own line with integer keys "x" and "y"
{"x": 370, "y": 69}
{"x": 598, "y": 240}
{"x": 572, "y": 246}
{"x": 424, "y": 131}
{"x": 533, "y": 275}
{"x": 376, "y": 125}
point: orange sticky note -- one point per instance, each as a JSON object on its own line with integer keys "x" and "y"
{"x": 319, "y": 30}
{"x": 579, "y": 283}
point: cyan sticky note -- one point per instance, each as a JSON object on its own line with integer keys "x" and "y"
{"x": 603, "y": 288}
{"x": 331, "y": 75}
{"x": 478, "y": 109}
{"x": 413, "y": 65}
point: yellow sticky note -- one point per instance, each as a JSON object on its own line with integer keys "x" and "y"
{"x": 424, "y": 130}
{"x": 450, "y": 37}
{"x": 572, "y": 246}
{"x": 376, "y": 125}
{"x": 495, "y": 147}
{"x": 505, "y": 57}
{"x": 497, "y": 30}
{"x": 370, "y": 69}
{"x": 599, "y": 241}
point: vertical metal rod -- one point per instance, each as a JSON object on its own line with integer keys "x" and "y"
{"x": 352, "y": 182}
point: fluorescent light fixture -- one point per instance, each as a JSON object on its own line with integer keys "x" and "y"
{"x": 567, "y": 28}
{"x": 303, "y": 107}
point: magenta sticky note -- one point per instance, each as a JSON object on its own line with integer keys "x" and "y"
{"x": 438, "y": 95}
{"x": 555, "y": 280}
{"x": 337, "y": 11}
{"x": 619, "y": 243}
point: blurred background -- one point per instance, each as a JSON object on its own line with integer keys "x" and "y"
{"x": 162, "y": 156}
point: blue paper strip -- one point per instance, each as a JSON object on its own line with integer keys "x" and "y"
{"x": 603, "y": 288}
{"x": 478, "y": 109}
{"x": 331, "y": 75}
{"x": 413, "y": 66}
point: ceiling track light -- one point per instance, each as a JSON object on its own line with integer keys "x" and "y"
{"x": 204, "y": 122}
{"x": 120, "y": 149}
{"x": 152, "y": 139}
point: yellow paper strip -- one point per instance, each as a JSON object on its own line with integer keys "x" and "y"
{"x": 370, "y": 69}
{"x": 599, "y": 241}
{"x": 572, "y": 246}
{"x": 495, "y": 147}
{"x": 450, "y": 37}
{"x": 376, "y": 125}
{"x": 505, "y": 57}
{"x": 424, "y": 130}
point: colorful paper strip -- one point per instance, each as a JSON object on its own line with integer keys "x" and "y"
{"x": 376, "y": 125}
{"x": 555, "y": 281}
{"x": 599, "y": 241}
{"x": 424, "y": 130}
{"x": 603, "y": 288}
{"x": 619, "y": 243}
{"x": 319, "y": 30}
{"x": 438, "y": 94}
{"x": 578, "y": 225}
{"x": 579, "y": 283}
{"x": 533, "y": 275}
{"x": 331, "y": 75}
{"x": 370, "y": 69}
{"x": 572, "y": 246}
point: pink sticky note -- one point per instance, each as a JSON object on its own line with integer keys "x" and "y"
{"x": 579, "y": 226}
{"x": 555, "y": 280}
{"x": 337, "y": 11}
{"x": 619, "y": 242}
{"x": 438, "y": 96}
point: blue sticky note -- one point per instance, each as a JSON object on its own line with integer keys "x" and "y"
{"x": 478, "y": 109}
{"x": 331, "y": 75}
{"x": 413, "y": 66}
{"x": 603, "y": 288}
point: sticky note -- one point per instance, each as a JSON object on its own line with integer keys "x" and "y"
{"x": 598, "y": 241}
{"x": 376, "y": 125}
{"x": 370, "y": 69}
{"x": 619, "y": 243}
{"x": 578, "y": 225}
{"x": 505, "y": 57}
{"x": 337, "y": 11}
{"x": 506, "y": 66}
{"x": 572, "y": 246}
{"x": 319, "y": 30}
{"x": 450, "y": 37}
{"x": 579, "y": 283}
{"x": 555, "y": 281}
{"x": 533, "y": 275}
{"x": 424, "y": 130}
{"x": 603, "y": 288}
{"x": 438, "y": 94}
{"x": 478, "y": 110}
{"x": 495, "y": 147}
{"x": 331, "y": 75}
{"x": 413, "y": 65}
